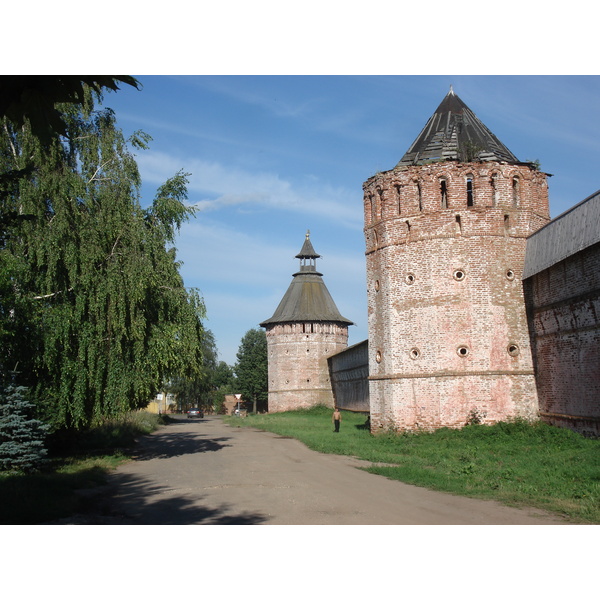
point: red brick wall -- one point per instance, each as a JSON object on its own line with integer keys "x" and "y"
{"x": 448, "y": 337}
{"x": 564, "y": 306}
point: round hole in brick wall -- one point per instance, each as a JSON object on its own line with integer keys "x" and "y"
{"x": 378, "y": 356}
{"x": 459, "y": 275}
{"x": 513, "y": 349}
{"x": 510, "y": 274}
{"x": 414, "y": 353}
{"x": 462, "y": 351}
{"x": 377, "y": 285}
{"x": 410, "y": 279}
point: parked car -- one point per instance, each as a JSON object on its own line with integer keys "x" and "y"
{"x": 195, "y": 412}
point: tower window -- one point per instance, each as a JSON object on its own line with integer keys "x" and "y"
{"x": 469, "y": 191}
{"x": 515, "y": 191}
{"x": 458, "y": 225}
{"x": 443, "y": 193}
{"x": 513, "y": 349}
{"x": 398, "y": 192}
{"x": 494, "y": 184}
{"x": 419, "y": 196}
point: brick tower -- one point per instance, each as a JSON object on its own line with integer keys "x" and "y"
{"x": 445, "y": 235}
{"x": 305, "y": 329}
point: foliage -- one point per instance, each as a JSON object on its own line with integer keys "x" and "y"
{"x": 32, "y": 98}
{"x": 251, "y": 369}
{"x": 94, "y": 314}
{"x": 21, "y": 436}
{"x": 517, "y": 463}
{"x": 206, "y": 389}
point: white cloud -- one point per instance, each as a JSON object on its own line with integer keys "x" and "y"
{"x": 226, "y": 186}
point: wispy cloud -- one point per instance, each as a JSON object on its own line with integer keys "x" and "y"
{"x": 226, "y": 186}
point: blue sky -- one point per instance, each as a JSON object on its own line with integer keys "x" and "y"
{"x": 271, "y": 157}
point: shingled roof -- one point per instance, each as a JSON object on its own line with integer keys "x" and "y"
{"x": 573, "y": 231}
{"x": 453, "y": 132}
{"x": 307, "y": 298}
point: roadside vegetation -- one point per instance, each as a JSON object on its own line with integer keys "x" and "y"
{"x": 517, "y": 463}
{"x": 77, "y": 461}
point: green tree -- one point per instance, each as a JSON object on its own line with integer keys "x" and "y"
{"x": 21, "y": 436}
{"x": 94, "y": 313}
{"x": 251, "y": 368}
{"x": 205, "y": 390}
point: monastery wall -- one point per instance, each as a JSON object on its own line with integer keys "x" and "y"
{"x": 564, "y": 308}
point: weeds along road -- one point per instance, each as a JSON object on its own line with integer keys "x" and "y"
{"x": 207, "y": 473}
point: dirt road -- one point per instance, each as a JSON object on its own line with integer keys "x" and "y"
{"x": 205, "y": 472}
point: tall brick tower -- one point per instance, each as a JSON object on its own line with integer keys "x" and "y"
{"x": 305, "y": 329}
{"x": 445, "y": 235}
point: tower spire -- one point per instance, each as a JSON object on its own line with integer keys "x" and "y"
{"x": 454, "y": 132}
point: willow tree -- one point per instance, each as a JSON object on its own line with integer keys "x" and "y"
{"x": 95, "y": 314}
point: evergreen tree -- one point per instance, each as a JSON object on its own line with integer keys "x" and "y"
{"x": 94, "y": 314}
{"x": 251, "y": 369}
{"x": 21, "y": 436}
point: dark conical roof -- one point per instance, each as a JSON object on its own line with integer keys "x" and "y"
{"x": 307, "y": 250}
{"x": 307, "y": 298}
{"x": 454, "y": 133}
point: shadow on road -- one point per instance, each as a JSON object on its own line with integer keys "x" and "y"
{"x": 131, "y": 504}
{"x": 169, "y": 445}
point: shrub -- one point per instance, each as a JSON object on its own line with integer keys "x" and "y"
{"x": 21, "y": 436}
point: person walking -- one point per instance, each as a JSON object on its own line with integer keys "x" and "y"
{"x": 336, "y": 418}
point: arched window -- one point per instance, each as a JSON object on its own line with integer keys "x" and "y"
{"x": 458, "y": 225}
{"x": 380, "y": 192}
{"x": 494, "y": 184}
{"x": 444, "y": 193}
{"x": 516, "y": 184}
{"x": 470, "y": 191}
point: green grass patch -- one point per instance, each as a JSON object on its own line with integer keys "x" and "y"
{"x": 78, "y": 461}
{"x": 517, "y": 463}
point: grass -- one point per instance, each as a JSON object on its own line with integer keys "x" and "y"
{"x": 78, "y": 461}
{"x": 518, "y": 463}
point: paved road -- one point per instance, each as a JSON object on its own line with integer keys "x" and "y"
{"x": 205, "y": 472}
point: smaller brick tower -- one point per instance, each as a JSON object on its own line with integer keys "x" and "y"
{"x": 303, "y": 332}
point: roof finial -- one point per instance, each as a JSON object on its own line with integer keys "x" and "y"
{"x": 451, "y": 89}
{"x": 307, "y": 233}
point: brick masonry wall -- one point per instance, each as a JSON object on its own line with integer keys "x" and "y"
{"x": 564, "y": 312}
{"x": 297, "y": 359}
{"x": 448, "y": 336}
